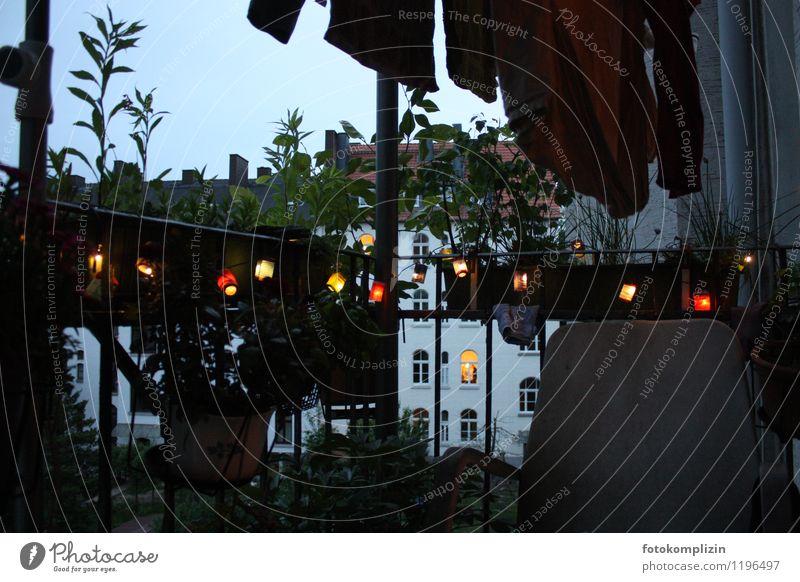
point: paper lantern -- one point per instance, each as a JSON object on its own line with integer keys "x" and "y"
{"x": 420, "y": 271}
{"x": 265, "y": 268}
{"x": 376, "y": 293}
{"x": 628, "y": 292}
{"x": 336, "y": 282}
{"x": 227, "y": 283}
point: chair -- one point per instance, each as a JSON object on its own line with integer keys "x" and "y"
{"x": 640, "y": 426}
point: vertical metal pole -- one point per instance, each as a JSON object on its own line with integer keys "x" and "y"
{"x": 386, "y": 186}
{"x": 33, "y": 127}
{"x": 437, "y": 379}
{"x": 26, "y": 404}
{"x": 488, "y": 420}
{"x": 108, "y": 377}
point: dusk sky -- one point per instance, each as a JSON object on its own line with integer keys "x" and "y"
{"x": 223, "y": 82}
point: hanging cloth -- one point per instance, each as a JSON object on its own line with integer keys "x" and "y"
{"x": 577, "y": 94}
{"x": 275, "y": 17}
{"x": 470, "y": 46}
{"x": 393, "y": 37}
{"x": 680, "y": 115}
{"x": 517, "y": 324}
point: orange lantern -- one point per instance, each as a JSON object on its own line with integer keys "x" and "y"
{"x": 460, "y": 267}
{"x": 628, "y": 292}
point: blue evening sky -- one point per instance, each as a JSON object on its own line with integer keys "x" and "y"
{"x": 223, "y": 82}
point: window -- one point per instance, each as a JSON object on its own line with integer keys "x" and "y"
{"x": 420, "y": 418}
{"x": 528, "y": 394}
{"x": 420, "y": 301}
{"x": 445, "y": 369}
{"x": 445, "y": 426}
{"x": 469, "y": 367}
{"x": 362, "y": 202}
{"x": 418, "y": 201}
{"x": 469, "y": 425}
{"x": 283, "y": 428}
{"x": 79, "y": 369}
{"x": 421, "y": 367}
{"x": 420, "y": 245}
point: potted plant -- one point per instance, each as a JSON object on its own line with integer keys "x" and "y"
{"x": 222, "y": 373}
{"x": 481, "y": 191}
{"x": 777, "y": 359}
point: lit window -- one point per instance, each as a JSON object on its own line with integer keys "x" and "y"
{"x": 420, "y": 301}
{"x": 420, "y": 245}
{"x": 445, "y": 369}
{"x": 420, "y": 418}
{"x": 445, "y": 426}
{"x": 528, "y": 394}
{"x": 283, "y": 428}
{"x": 469, "y": 425}
{"x": 469, "y": 367}
{"x": 421, "y": 367}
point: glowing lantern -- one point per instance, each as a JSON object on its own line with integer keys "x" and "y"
{"x": 96, "y": 261}
{"x": 367, "y": 242}
{"x": 336, "y": 282}
{"x": 265, "y": 268}
{"x": 420, "y": 271}
{"x": 578, "y": 247}
{"x": 145, "y": 267}
{"x": 702, "y": 302}
{"x": 628, "y": 292}
{"x": 520, "y": 281}
{"x": 227, "y": 283}
{"x": 376, "y": 293}
{"x": 460, "y": 267}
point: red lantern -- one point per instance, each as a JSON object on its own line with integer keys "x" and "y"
{"x": 702, "y": 302}
{"x": 227, "y": 283}
{"x": 376, "y": 293}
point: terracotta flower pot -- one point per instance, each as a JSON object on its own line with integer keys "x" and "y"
{"x": 219, "y": 449}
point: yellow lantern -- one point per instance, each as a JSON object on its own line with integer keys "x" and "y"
{"x": 520, "y": 281}
{"x": 265, "y": 268}
{"x": 336, "y": 282}
{"x": 96, "y": 261}
{"x": 420, "y": 270}
{"x": 145, "y": 267}
{"x": 578, "y": 247}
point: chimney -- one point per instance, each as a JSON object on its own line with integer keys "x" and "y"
{"x": 263, "y": 171}
{"x": 339, "y": 146}
{"x": 237, "y": 171}
{"x": 187, "y": 177}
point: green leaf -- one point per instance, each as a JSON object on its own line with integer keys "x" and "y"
{"x": 101, "y": 26}
{"x": 82, "y": 95}
{"x": 123, "y": 69}
{"x": 407, "y": 123}
{"x": 155, "y": 124}
{"x": 83, "y": 75}
{"x": 429, "y": 106}
{"x": 351, "y": 131}
{"x": 162, "y": 174}
{"x": 89, "y": 43}
{"x": 422, "y": 120}
{"x": 77, "y": 153}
